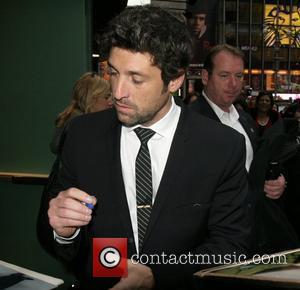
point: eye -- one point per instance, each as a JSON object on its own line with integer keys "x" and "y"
{"x": 137, "y": 81}
{"x": 223, "y": 76}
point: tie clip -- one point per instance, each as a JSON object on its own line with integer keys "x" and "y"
{"x": 143, "y": 206}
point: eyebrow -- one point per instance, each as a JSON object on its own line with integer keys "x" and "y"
{"x": 228, "y": 72}
{"x": 110, "y": 65}
{"x": 130, "y": 72}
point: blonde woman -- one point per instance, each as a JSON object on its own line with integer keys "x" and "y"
{"x": 91, "y": 93}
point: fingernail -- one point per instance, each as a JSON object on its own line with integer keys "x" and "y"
{"x": 88, "y": 199}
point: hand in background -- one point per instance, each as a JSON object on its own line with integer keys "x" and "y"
{"x": 139, "y": 277}
{"x": 275, "y": 188}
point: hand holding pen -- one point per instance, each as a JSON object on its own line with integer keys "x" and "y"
{"x": 71, "y": 209}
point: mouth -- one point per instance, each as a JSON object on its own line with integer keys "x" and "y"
{"x": 120, "y": 105}
{"x": 231, "y": 94}
{"x": 121, "y": 108}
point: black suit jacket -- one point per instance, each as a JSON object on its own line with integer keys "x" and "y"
{"x": 202, "y": 107}
{"x": 199, "y": 207}
{"x": 271, "y": 231}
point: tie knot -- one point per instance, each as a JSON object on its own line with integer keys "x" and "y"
{"x": 144, "y": 134}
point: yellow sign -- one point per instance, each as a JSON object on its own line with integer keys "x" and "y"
{"x": 282, "y": 25}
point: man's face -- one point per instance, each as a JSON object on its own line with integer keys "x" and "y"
{"x": 138, "y": 91}
{"x": 197, "y": 22}
{"x": 225, "y": 82}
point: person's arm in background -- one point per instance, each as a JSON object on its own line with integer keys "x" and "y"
{"x": 275, "y": 188}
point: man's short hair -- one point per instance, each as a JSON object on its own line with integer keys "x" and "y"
{"x": 209, "y": 60}
{"x": 153, "y": 30}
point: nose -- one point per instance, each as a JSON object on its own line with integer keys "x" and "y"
{"x": 233, "y": 81}
{"x": 119, "y": 89}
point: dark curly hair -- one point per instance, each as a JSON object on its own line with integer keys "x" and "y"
{"x": 153, "y": 30}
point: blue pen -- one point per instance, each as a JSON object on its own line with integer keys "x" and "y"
{"x": 89, "y": 205}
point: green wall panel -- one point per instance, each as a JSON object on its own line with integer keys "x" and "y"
{"x": 45, "y": 47}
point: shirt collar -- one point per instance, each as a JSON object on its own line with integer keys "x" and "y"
{"x": 162, "y": 126}
{"x": 232, "y": 115}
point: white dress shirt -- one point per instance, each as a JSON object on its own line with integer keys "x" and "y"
{"x": 231, "y": 119}
{"x": 159, "y": 147}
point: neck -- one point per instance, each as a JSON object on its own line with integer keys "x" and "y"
{"x": 262, "y": 114}
{"x": 222, "y": 107}
{"x": 262, "y": 118}
{"x": 225, "y": 109}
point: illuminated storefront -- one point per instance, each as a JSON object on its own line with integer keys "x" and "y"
{"x": 269, "y": 34}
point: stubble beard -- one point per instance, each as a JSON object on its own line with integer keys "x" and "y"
{"x": 140, "y": 118}
{"x": 136, "y": 119}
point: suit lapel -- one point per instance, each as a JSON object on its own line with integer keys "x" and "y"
{"x": 117, "y": 183}
{"x": 249, "y": 129}
{"x": 173, "y": 166}
{"x": 202, "y": 106}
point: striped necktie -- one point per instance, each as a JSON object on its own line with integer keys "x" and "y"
{"x": 143, "y": 176}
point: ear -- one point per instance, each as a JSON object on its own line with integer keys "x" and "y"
{"x": 204, "y": 76}
{"x": 175, "y": 84}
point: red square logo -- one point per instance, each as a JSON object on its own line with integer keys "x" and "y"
{"x": 109, "y": 257}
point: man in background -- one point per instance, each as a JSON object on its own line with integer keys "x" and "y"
{"x": 222, "y": 78}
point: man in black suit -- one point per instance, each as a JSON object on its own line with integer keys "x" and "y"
{"x": 198, "y": 190}
{"x": 222, "y": 78}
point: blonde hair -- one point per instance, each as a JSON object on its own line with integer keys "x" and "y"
{"x": 85, "y": 93}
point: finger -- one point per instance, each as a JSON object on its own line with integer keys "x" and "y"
{"x": 269, "y": 188}
{"x": 66, "y": 209}
{"x": 71, "y": 214}
{"x": 58, "y": 222}
{"x": 79, "y": 195}
{"x": 62, "y": 217}
{"x": 92, "y": 204}
{"x": 273, "y": 196}
{"x": 73, "y": 198}
{"x": 70, "y": 203}
{"x": 274, "y": 187}
{"x": 279, "y": 181}
{"x": 273, "y": 192}
{"x": 272, "y": 182}
{"x": 65, "y": 212}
